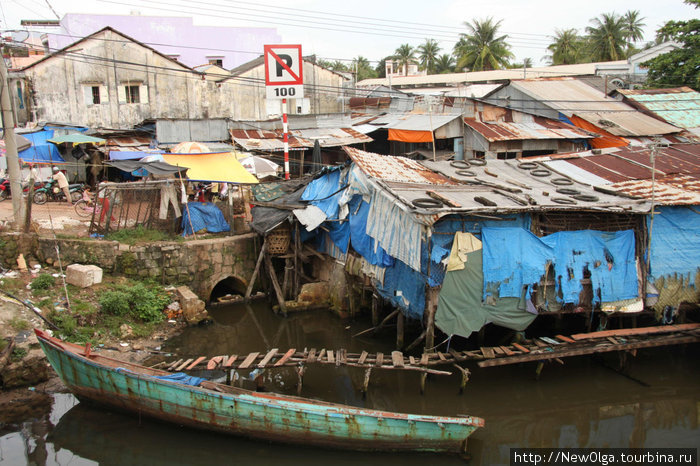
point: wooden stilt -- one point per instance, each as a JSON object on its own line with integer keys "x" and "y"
{"x": 286, "y": 279}
{"x": 249, "y": 290}
{"x": 300, "y": 378}
{"x": 375, "y": 309}
{"x": 423, "y": 378}
{"x": 365, "y": 384}
{"x": 430, "y": 308}
{"x": 538, "y": 371}
{"x": 275, "y": 284}
{"x": 465, "y": 377}
{"x": 400, "y": 320}
{"x": 297, "y": 263}
{"x": 417, "y": 341}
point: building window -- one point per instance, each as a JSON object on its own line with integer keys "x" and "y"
{"x": 132, "y": 94}
{"x": 218, "y": 61}
{"x": 95, "y": 94}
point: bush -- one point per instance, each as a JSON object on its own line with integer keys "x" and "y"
{"x": 43, "y": 282}
{"x": 115, "y": 302}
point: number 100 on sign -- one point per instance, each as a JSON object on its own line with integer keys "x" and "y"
{"x": 285, "y": 92}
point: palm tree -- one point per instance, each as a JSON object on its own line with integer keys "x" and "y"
{"x": 363, "y": 69}
{"x": 565, "y": 47}
{"x": 445, "y": 63}
{"x": 482, "y": 48}
{"x": 632, "y": 26}
{"x": 607, "y": 37}
{"x": 405, "y": 55}
{"x": 427, "y": 54}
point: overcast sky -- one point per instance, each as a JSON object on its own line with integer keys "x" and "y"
{"x": 374, "y": 29}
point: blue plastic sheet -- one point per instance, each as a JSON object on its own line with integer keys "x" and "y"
{"x": 405, "y": 288}
{"x": 41, "y": 151}
{"x": 608, "y": 256}
{"x": 360, "y": 240}
{"x": 201, "y": 216}
{"x": 674, "y": 242}
{"x": 181, "y": 377}
{"x": 323, "y": 193}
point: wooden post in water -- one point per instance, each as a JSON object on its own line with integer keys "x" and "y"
{"x": 400, "y": 319}
{"x": 376, "y": 304}
{"x": 431, "y": 297}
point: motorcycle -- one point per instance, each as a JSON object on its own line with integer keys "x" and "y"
{"x": 51, "y": 191}
{"x": 6, "y": 191}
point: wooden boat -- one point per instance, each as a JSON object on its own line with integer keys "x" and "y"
{"x": 267, "y": 416}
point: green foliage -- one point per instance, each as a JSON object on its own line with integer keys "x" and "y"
{"x": 482, "y": 48}
{"x": 404, "y": 56}
{"x": 141, "y": 302}
{"x": 680, "y": 67}
{"x": 11, "y": 284}
{"x": 139, "y": 235}
{"x": 428, "y": 54}
{"x": 445, "y": 63}
{"x": 567, "y": 47}
{"x": 17, "y": 354}
{"x": 363, "y": 69}
{"x": 43, "y": 282}
{"x": 607, "y": 37}
{"x": 18, "y": 324}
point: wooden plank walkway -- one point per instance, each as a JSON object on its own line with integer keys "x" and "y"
{"x": 536, "y": 349}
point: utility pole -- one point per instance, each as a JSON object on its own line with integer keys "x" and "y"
{"x": 8, "y": 125}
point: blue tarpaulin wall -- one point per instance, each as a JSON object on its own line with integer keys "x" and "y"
{"x": 203, "y": 215}
{"x": 514, "y": 258}
{"x": 41, "y": 151}
{"x": 675, "y": 241}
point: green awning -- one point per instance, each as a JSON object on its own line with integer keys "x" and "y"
{"x": 76, "y": 138}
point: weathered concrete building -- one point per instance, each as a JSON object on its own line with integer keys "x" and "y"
{"x": 242, "y": 95}
{"x": 108, "y": 79}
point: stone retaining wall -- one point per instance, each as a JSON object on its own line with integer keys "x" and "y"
{"x": 199, "y": 264}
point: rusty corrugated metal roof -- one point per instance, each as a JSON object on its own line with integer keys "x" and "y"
{"x": 537, "y": 128}
{"x": 265, "y": 140}
{"x": 678, "y": 106}
{"x": 392, "y": 168}
{"x": 667, "y": 190}
{"x": 627, "y": 123}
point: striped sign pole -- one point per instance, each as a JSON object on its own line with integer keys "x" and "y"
{"x": 285, "y": 129}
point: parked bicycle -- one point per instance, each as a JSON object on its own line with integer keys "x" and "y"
{"x": 86, "y": 205}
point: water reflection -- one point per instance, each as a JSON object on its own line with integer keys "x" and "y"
{"x": 579, "y": 404}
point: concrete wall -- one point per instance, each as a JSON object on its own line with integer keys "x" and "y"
{"x": 243, "y": 97}
{"x": 198, "y": 264}
{"x": 166, "y": 87}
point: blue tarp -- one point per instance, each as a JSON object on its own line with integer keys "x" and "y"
{"x": 514, "y": 258}
{"x": 181, "y": 377}
{"x": 608, "y": 256}
{"x": 323, "y": 192}
{"x": 203, "y": 215}
{"x": 405, "y": 288}
{"x": 360, "y": 240}
{"x": 41, "y": 151}
{"x": 674, "y": 241}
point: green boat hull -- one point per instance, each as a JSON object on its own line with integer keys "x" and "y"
{"x": 266, "y": 416}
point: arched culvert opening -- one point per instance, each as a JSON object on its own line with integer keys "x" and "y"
{"x": 229, "y": 287}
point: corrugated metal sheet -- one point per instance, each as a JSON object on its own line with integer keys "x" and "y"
{"x": 175, "y": 131}
{"x": 627, "y": 123}
{"x": 572, "y": 97}
{"x": 680, "y": 106}
{"x": 132, "y": 142}
{"x": 420, "y": 122}
{"x": 392, "y": 168}
{"x": 298, "y": 139}
{"x": 536, "y": 128}
{"x": 667, "y": 190}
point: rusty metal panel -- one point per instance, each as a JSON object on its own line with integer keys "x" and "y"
{"x": 667, "y": 190}
{"x": 391, "y": 168}
{"x": 298, "y": 139}
{"x": 539, "y": 128}
{"x": 680, "y": 106}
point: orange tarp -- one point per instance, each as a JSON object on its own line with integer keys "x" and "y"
{"x": 605, "y": 140}
{"x": 407, "y": 135}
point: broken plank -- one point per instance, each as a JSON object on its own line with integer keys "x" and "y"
{"x": 411, "y": 360}
{"x": 363, "y": 356}
{"x": 174, "y": 364}
{"x": 184, "y": 364}
{"x": 565, "y": 339}
{"x": 507, "y": 350}
{"x": 397, "y": 358}
{"x": 331, "y": 356}
{"x": 539, "y": 343}
{"x": 521, "y": 347}
{"x": 231, "y": 359}
{"x": 635, "y": 331}
{"x": 612, "y": 340}
{"x": 424, "y": 359}
{"x": 321, "y": 355}
{"x": 498, "y": 350}
{"x": 196, "y": 361}
{"x": 380, "y": 360}
{"x": 213, "y": 362}
{"x": 248, "y": 360}
{"x": 286, "y": 356}
{"x": 312, "y": 356}
{"x": 270, "y": 354}
{"x": 487, "y": 352}
{"x": 457, "y": 355}
{"x": 441, "y": 356}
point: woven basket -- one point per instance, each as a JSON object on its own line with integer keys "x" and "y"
{"x": 278, "y": 240}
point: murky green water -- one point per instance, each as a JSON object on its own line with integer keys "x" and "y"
{"x": 581, "y": 403}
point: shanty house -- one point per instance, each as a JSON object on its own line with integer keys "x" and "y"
{"x": 108, "y": 79}
{"x": 678, "y": 106}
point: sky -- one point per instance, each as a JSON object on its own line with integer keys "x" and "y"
{"x": 345, "y": 29}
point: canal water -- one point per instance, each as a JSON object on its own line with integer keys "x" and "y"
{"x": 582, "y": 403}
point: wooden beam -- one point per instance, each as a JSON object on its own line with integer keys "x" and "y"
{"x": 248, "y": 360}
{"x": 275, "y": 284}
{"x": 286, "y": 357}
{"x": 270, "y": 354}
{"x": 251, "y": 283}
{"x": 635, "y": 331}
